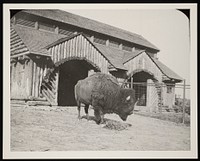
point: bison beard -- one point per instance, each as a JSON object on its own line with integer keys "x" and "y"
{"x": 104, "y": 93}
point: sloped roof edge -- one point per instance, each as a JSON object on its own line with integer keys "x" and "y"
{"x": 163, "y": 68}
{"x": 71, "y": 37}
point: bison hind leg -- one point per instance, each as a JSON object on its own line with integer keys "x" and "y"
{"x": 79, "y": 109}
{"x": 86, "y": 111}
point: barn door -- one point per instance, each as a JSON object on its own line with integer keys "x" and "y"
{"x": 49, "y": 88}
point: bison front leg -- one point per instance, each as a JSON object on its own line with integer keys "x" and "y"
{"x": 86, "y": 111}
{"x": 99, "y": 116}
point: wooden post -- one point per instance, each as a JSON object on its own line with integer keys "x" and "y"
{"x": 92, "y": 38}
{"x": 36, "y": 25}
{"x": 57, "y": 30}
{"x": 107, "y": 42}
{"x": 120, "y": 46}
{"x": 183, "y": 101}
{"x": 131, "y": 81}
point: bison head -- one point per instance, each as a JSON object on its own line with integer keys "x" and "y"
{"x": 126, "y": 103}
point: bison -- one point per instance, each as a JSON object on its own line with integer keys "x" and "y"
{"x": 104, "y": 93}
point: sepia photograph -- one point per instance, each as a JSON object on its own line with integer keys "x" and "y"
{"x": 100, "y": 81}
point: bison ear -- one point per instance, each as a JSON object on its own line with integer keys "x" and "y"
{"x": 128, "y": 98}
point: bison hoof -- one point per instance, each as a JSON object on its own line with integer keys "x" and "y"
{"x": 87, "y": 116}
{"x": 100, "y": 122}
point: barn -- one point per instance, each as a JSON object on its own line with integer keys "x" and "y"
{"x": 50, "y": 50}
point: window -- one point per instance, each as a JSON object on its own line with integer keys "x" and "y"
{"x": 46, "y": 27}
{"x": 100, "y": 40}
{"x": 25, "y": 22}
{"x": 127, "y": 48}
{"x": 169, "y": 89}
{"x": 67, "y": 32}
{"x": 114, "y": 44}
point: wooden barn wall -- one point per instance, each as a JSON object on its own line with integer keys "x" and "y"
{"x": 49, "y": 89}
{"x": 143, "y": 61}
{"x": 152, "y": 96}
{"x": 20, "y": 80}
{"x": 39, "y": 69}
{"x": 17, "y": 47}
{"x": 80, "y": 48}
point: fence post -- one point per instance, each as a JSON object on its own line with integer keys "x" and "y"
{"x": 131, "y": 81}
{"x": 184, "y": 101}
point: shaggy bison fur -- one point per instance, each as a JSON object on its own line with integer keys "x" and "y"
{"x": 104, "y": 93}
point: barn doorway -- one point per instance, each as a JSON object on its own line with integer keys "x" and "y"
{"x": 69, "y": 73}
{"x": 140, "y": 86}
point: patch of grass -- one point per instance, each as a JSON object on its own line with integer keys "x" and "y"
{"x": 168, "y": 116}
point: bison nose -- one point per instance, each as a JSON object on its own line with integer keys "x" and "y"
{"x": 124, "y": 118}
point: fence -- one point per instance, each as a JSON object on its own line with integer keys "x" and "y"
{"x": 154, "y": 97}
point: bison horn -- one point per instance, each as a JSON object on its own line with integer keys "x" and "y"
{"x": 128, "y": 98}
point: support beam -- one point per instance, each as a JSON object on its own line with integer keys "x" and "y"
{"x": 131, "y": 81}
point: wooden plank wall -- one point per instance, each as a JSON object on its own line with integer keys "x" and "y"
{"x": 39, "y": 70}
{"x": 143, "y": 61}
{"x": 79, "y": 47}
{"x": 49, "y": 89}
{"x": 16, "y": 45}
{"x": 152, "y": 96}
{"x": 21, "y": 81}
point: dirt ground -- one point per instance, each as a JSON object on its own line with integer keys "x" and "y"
{"x": 58, "y": 129}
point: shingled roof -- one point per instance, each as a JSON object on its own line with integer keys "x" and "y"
{"x": 36, "y": 40}
{"x": 82, "y": 22}
{"x": 166, "y": 70}
{"x": 114, "y": 55}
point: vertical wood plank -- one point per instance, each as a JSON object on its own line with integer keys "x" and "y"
{"x": 73, "y": 49}
{"x": 79, "y": 45}
{"x": 55, "y": 53}
{"x": 89, "y": 51}
{"x": 104, "y": 65}
{"x": 52, "y": 53}
{"x": 37, "y": 79}
{"x": 30, "y": 71}
{"x": 76, "y": 47}
{"x": 41, "y": 77}
{"x": 70, "y": 46}
{"x": 83, "y": 47}
{"x": 92, "y": 55}
{"x": 68, "y": 49}
{"x": 56, "y": 81}
{"x": 65, "y": 50}
{"x": 33, "y": 82}
{"x": 59, "y": 53}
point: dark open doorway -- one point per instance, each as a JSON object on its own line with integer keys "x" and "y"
{"x": 140, "y": 86}
{"x": 69, "y": 74}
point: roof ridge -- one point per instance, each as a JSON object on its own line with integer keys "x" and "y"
{"x": 101, "y": 23}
